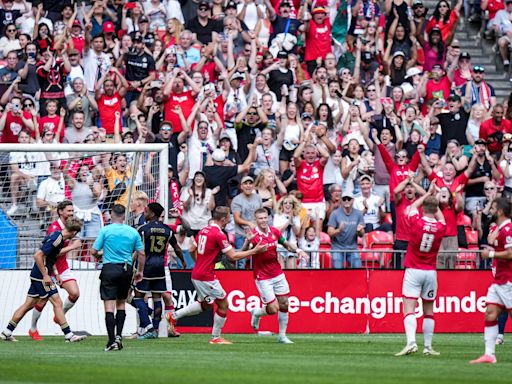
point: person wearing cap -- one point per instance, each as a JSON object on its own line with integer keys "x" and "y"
{"x": 477, "y": 91}
{"x": 280, "y": 76}
{"x": 243, "y": 207}
{"x": 398, "y": 63}
{"x": 77, "y": 36}
{"x": 218, "y": 173}
{"x": 463, "y": 73}
{"x": 140, "y": 68}
{"x": 484, "y": 171}
{"x": 248, "y": 124}
{"x": 493, "y": 129}
{"x": 370, "y": 205}
{"x": 93, "y": 57}
{"x": 345, "y": 225}
{"x": 453, "y": 121}
{"x": 503, "y": 28}
{"x": 318, "y": 37}
{"x": 280, "y": 21}
{"x": 203, "y": 26}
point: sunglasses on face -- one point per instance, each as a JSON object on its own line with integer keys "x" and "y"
{"x": 11, "y": 30}
{"x": 252, "y": 113}
{"x": 28, "y": 105}
{"x": 489, "y": 188}
{"x": 478, "y": 69}
{"x": 346, "y": 198}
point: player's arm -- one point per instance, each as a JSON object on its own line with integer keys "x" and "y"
{"x": 39, "y": 259}
{"x": 75, "y": 244}
{"x": 141, "y": 260}
{"x": 400, "y": 188}
{"x": 233, "y": 255}
{"x": 293, "y": 248}
{"x": 177, "y": 250}
{"x": 490, "y": 253}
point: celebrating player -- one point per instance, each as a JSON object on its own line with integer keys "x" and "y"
{"x": 156, "y": 236}
{"x": 41, "y": 284}
{"x": 211, "y": 242}
{"x": 420, "y": 278}
{"x": 63, "y": 273}
{"x": 270, "y": 279}
{"x": 499, "y": 295}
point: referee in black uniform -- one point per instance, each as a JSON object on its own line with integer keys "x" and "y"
{"x": 117, "y": 243}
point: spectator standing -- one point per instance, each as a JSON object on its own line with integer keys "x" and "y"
{"x": 14, "y": 120}
{"x": 203, "y": 26}
{"x": 345, "y": 225}
{"x": 318, "y": 37}
{"x": 478, "y": 91}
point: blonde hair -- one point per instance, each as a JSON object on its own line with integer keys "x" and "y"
{"x": 140, "y": 196}
{"x": 178, "y": 28}
{"x": 474, "y": 108}
{"x": 296, "y": 205}
{"x": 261, "y": 178}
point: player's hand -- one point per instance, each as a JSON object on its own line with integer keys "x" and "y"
{"x": 137, "y": 278}
{"x": 58, "y": 279}
{"x": 303, "y": 255}
{"x": 485, "y": 253}
{"x": 47, "y": 280}
{"x": 260, "y": 248}
{"x": 248, "y": 233}
{"x": 174, "y": 212}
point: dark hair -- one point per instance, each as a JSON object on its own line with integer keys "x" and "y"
{"x": 220, "y": 212}
{"x": 156, "y": 209}
{"x": 260, "y": 210}
{"x": 203, "y": 187}
{"x": 503, "y": 204}
{"x": 118, "y": 210}
{"x": 437, "y": 15}
{"x": 439, "y": 45}
{"x": 62, "y": 205}
{"x": 330, "y": 120}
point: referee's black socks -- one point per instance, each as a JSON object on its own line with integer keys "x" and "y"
{"x": 120, "y": 317}
{"x": 110, "y": 322}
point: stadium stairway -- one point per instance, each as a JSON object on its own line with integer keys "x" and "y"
{"x": 482, "y": 53}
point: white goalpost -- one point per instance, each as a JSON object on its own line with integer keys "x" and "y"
{"x": 23, "y": 171}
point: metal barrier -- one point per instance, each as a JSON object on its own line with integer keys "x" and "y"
{"x": 320, "y": 259}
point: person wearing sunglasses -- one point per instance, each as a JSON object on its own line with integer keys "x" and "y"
{"x": 344, "y": 226}
{"x": 478, "y": 91}
{"x": 10, "y": 41}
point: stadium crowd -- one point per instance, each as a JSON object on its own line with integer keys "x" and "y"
{"x": 334, "y": 117}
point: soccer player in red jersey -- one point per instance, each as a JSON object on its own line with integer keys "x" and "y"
{"x": 499, "y": 295}
{"x": 62, "y": 272}
{"x": 211, "y": 242}
{"x": 420, "y": 279}
{"x": 270, "y": 279}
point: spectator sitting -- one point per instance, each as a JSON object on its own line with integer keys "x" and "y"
{"x": 370, "y": 205}
{"x": 310, "y": 243}
{"x": 51, "y": 190}
{"x": 503, "y": 28}
{"x": 288, "y": 221}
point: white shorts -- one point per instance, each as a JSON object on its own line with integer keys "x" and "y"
{"x": 420, "y": 283}
{"x": 270, "y": 288}
{"x": 67, "y": 275}
{"x": 209, "y": 291}
{"x": 500, "y": 295}
{"x": 168, "y": 280}
{"x": 315, "y": 210}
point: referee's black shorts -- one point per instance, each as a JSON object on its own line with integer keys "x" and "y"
{"x": 115, "y": 281}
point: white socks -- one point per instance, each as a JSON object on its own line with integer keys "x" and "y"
{"x": 283, "y": 322}
{"x": 260, "y": 311}
{"x": 490, "y": 335}
{"x": 68, "y": 305}
{"x": 218, "y": 323}
{"x": 190, "y": 310}
{"x": 410, "y": 325}
{"x": 428, "y": 330}
{"x": 36, "y": 314}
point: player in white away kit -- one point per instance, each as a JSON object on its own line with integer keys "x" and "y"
{"x": 499, "y": 295}
{"x": 270, "y": 279}
{"x": 211, "y": 243}
{"x": 420, "y": 278}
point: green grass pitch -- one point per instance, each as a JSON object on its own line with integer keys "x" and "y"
{"x": 252, "y": 359}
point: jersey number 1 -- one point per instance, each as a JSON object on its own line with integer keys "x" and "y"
{"x": 426, "y": 242}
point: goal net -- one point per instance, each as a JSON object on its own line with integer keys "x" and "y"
{"x": 35, "y": 178}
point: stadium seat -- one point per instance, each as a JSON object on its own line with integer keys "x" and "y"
{"x": 472, "y": 238}
{"x": 381, "y": 241}
{"x": 466, "y": 222}
{"x": 325, "y": 247}
{"x": 465, "y": 259}
{"x": 388, "y": 218}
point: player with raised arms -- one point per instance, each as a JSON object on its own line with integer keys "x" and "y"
{"x": 270, "y": 279}
{"x": 41, "y": 283}
{"x": 61, "y": 270}
{"x": 499, "y": 295}
{"x": 156, "y": 236}
{"x": 211, "y": 242}
{"x": 420, "y": 278}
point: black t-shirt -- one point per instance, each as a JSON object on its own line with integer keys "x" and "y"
{"x": 7, "y": 17}
{"x": 279, "y": 26}
{"x": 218, "y": 175}
{"x": 246, "y": 134}
{"x": 138, "y": 67}
{"x": 204, "y": 33}
{"x": 277, "y": 78}
{"x": 453, "y": 126}
{"x": 477, "y": 190}
{"x": 174, "y": 149}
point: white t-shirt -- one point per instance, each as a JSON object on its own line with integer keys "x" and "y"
{"x": 504, "y": 164}
{"x": 280, "y": 219}
{"x": 311, "y": 248}
{"x": 30, "y": 163}
{"x": 196, "y": 149}
{"x": 51, "y": 190}
{"x": 198, "y": 214}
{"x": 92, "y": 64}
{"x": 372, "y": 215}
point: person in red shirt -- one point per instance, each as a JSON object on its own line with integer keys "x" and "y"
{"x": 310, "y": 177}
{"x": 175, "y": 94}
{"x": 77, "y": 36}
{"x": 318, "y": 38}
{"x": 64, "y": 276}
{"x": 493, "y": 6}
{"x": 499, "y": 297}
{"x": 210, "y": 242}
{"x": 14, "y": 120}
{"x": 270, "y": 279}
{"x": 420, "y": 279}
{"x": 53, "y": 122}
{"x": 110, "y": 101}
{"x": 493, "y": 129}
{"x": 404, "y": 196}
{"x": 438, "y": 87}
{"x": 445, "y": 19}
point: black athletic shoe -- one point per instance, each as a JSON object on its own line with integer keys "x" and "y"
{"x": 119, "y": 342}
{"x": 111, "y": 347}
